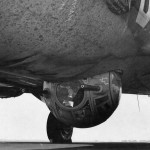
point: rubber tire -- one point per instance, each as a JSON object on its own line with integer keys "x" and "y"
{"x": 54, "y": 130}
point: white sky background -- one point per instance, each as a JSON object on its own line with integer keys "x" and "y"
{"x": 24, "y": 119}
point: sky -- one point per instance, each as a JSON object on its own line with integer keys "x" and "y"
{"x": 24, "y": 119}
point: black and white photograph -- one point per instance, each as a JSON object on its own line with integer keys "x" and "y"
{"x": 74, "y": 74}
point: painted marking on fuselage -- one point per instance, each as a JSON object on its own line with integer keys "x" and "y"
{"x": 143, "y": 17}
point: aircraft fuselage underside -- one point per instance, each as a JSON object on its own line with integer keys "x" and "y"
{"x": 65, "y": 40}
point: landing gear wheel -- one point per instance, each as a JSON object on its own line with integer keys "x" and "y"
{"x": 58, "y": 132}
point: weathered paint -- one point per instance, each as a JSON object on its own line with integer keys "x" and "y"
{"x": 64, "y": 39}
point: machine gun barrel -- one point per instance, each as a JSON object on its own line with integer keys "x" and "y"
{"x": 90, "y": 87}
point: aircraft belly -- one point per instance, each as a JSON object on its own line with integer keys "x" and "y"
{"x": 61, "y": 39}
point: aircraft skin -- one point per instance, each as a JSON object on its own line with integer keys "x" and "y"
{"x": 55, "y": 40}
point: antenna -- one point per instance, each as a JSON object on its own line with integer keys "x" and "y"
{"x": 138, "y": 103}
